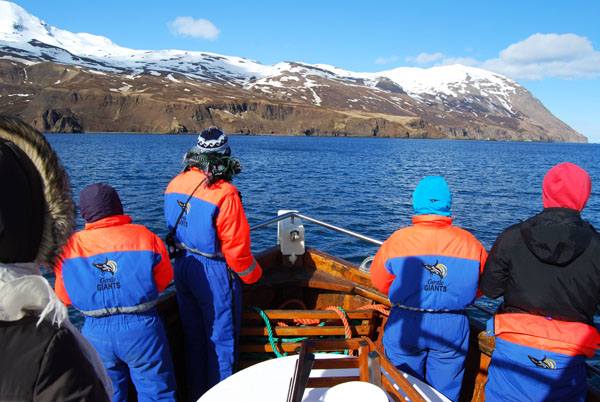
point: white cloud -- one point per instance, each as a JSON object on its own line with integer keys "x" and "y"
{"x": 465, "y": 61}
{"x": 539, "y": 56}
{"x": 187, "y": 26}
{"x": 425, "y": 58}
{"x": 548, "y": 55}
{"x": 386, "y": 60}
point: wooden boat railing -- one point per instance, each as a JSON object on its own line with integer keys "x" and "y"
{"x": 293, "y": 214}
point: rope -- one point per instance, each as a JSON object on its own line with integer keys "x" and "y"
{"x": 269, "y": 330}
{"x": 342, "y": 314}
{"x": 298, "y": 321}
{"x": 344, "y": 319}
{"x": 377, "y": 307}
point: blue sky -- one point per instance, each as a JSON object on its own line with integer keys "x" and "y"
{"x": 550, "y": 47}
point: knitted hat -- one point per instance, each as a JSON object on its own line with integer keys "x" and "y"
{"x": 98, "y": 201}
{"x": 213, "y": 140}
{"x": 566, "y": 185}
{"x": 432, "y": 197}
{"x": 37, "y": 213}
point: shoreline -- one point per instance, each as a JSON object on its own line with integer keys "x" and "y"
{"x": 323, "y": 136}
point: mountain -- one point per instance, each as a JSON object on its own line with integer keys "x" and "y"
{"x": 65, "y": 82}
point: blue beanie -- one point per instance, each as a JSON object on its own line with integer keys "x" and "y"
{"x": 98, "y": 201}
{"x": 432, "y": 197}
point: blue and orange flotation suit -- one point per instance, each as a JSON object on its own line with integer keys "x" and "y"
{"x": 113, "y": 267}
{"x": 213, "y": 225}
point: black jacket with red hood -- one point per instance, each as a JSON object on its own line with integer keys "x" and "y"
{"x": 549, "y": 265}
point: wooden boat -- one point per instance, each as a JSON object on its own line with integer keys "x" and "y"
{"x": 316, "y": 296}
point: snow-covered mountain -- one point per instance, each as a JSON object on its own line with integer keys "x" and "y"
{"x": 63, "y": 81}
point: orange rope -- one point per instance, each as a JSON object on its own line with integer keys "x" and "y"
{"x": 377, "y": 307}
{"x": 347, "y": 330}
{"x": 301, "y": 321}
{"x": 315, "y": 321}
{"x": 298, "y": 321}
{"x": 307, "y": 321}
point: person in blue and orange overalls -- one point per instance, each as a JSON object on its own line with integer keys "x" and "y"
{"x": 548, "y": 270}
{"x": 204, "y": 212}
{"x": 430, "y": 271}
{"x": 113, "y": 272}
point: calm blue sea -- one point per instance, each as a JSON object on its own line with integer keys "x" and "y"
{"x": 361, "y": 184}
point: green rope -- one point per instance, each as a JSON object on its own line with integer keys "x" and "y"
{"x": 279, "y": 340}
{"x": 273, "y": 339}
{"x": 269, "y": 330}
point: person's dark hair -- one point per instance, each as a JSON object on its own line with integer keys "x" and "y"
{"x": 216, "y": 166}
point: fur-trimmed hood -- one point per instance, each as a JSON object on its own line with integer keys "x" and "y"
{"x": 59, "y": 209}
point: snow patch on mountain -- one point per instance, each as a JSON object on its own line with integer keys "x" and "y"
{"x": 19, "y": 29}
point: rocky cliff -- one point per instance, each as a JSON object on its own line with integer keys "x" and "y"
{"x": 58, "y": 98}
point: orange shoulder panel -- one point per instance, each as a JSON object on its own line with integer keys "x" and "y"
{"x": 380, "y": 277}
{"x": 187, "y": 182}
{"x": 570, "y": 338}
{"x": 450, "y": 241}
{"x": 439, "y": 238}
{"x": 89, "y": 242}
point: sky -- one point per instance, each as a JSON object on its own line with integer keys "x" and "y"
{"x": 550, "y": 47}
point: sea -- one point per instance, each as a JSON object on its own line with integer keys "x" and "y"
{"x": 363, "y": 185}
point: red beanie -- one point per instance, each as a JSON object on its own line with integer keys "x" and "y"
{"x": 568, "y": 186}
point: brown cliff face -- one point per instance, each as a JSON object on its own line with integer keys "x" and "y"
{"x": 57, "y": 98}
{"x": 73, "y": 99}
